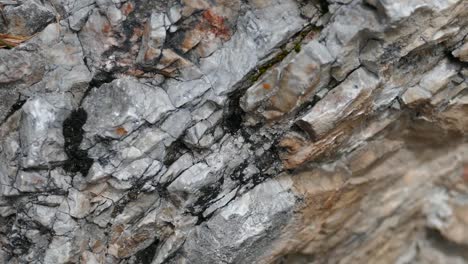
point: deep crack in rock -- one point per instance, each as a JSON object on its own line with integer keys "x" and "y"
{"x": 78, "y": 160}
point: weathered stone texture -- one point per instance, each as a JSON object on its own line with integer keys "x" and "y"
{"x": 216, "y": 131}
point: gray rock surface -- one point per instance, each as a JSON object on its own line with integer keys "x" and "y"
{"x": 196, "y": 131}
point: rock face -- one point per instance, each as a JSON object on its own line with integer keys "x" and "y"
{"x": 196, "y": 131}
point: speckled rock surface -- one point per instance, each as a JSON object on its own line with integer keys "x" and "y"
{"x": 215, "y": 131}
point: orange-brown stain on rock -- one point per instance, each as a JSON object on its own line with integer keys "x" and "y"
{"x": 210, "y": 24}
{"x": 217, "y": 24}
{"x": 266, "y": 86}
{"x": 121, "y": 131}
{"x": 106, "y": 29}
{"x": 127, "y": 8}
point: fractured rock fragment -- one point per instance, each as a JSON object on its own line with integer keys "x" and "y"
{"x": 342, "y": 103}
{"x": 124, "y": 103}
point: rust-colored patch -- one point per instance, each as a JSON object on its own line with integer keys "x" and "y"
{"x": 217, "y": 24}
{"x": 121, "y": 131}
{"x": 127, "y": 8}
{"x": 266, "y": 86}
{"x": 106, "y": 29}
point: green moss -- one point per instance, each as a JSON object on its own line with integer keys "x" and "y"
{"x": 284, "y": 52}
{"x": 304, "y": 33}
{"x": 264, "y": 68}
{"x": 297, "y": 47}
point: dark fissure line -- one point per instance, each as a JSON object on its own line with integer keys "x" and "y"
{"x": 15, "y": 107}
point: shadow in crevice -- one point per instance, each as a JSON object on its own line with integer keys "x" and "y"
{"x": 145, "y": 256}
{"x": 78, "y": 160}
{"x": 445, "y": 246}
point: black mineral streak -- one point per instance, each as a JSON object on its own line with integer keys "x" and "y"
{"x": 78, "y": 160}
